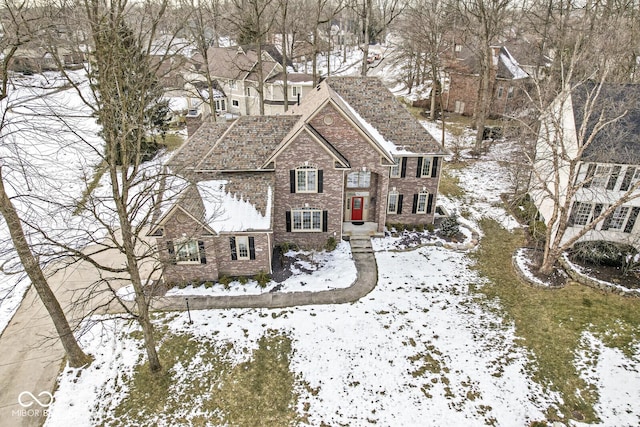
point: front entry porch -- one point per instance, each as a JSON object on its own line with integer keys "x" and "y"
{"x": 359, "y": 228}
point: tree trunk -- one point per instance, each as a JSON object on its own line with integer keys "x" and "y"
{"x": 285, "y": 79}
{"x": 76, "y": 356}
{"x": 314, "y": 57}
{"x": 133, "y": 268}
{"x": 366, "y": 13}
{"x": 483, "y": 98}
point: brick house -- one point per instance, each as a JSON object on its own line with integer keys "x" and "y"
{"x": 602, "y": 168}
{"x": 350, "y": 157}
{"x": 508, "y": 80}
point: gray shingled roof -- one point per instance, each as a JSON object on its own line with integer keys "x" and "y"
{"x": 248, "y": 143}
{"x": 380, "y": 108}
{"x": 618, "y": 142}
{"x": 198, "y": 145}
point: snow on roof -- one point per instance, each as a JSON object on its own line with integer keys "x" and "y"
{"x": 512, "y": 65}
{"x": 385, "y": 144}
{"x": 225, "y": 212}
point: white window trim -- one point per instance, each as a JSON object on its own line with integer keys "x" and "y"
{"x": 588, "y": 219}
{"x": 426, "y": 200}
{"x": 242, "y": 240}
{"x": 397, "y": 196}
{"x": 302, "y": 229}
{"x": 182, "y": 243}
{"x": 428, "y": 174}
{"x": 395, "y": 172}
{"x": 601, "y": 176}
{"x": 235, "y": 103}
{"x": 306, "y": 170}
{"x": 295, "y": 90}
{"x": 621, "y": 218}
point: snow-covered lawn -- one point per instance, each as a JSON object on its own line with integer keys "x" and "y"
{"x": 423, "y": 348}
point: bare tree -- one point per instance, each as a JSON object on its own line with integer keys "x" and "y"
{"x": 484, "y": 21}
{"x": 19, "y": 29}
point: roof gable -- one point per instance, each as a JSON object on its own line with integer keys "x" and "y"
{"x": 376, "y": 108}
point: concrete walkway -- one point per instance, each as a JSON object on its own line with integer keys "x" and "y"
{"x": 31, "y": 356}
{"x": 365, "y": 282}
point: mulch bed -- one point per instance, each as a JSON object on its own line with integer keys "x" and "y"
{"x": 608, "y": 274}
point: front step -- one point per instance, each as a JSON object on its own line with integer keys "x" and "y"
{"x": 360, "y": 245}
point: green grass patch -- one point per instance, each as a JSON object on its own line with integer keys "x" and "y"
{"x": 201, "y": 385}
{"x": 551, "y": 322}
{"x": 450, "y": 184}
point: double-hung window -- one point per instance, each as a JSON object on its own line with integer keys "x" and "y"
{"x": 425, "y": 170}
{"x": 242, "y": 247}
{"x": 306, "y": 219}
{"x": 395, "y": 170}
{"x": 392, "y": 205}
{"x": 601, "y": 176}
{"x": 306, "y": 180}
{"x": 582, "y": 212}
{"x": 187, "y": 252}
{"x": 421, "y": 206}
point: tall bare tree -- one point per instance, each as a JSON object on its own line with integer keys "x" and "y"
{"x": 19, "y": 26}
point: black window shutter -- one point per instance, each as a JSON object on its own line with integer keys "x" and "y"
{"x": 203, "y": 255}
{"x": 419, "y": 170}
{"x": 399, "y": 204}
{"x": 572, "y": 215}
{"x": 597, "y": 210}
{"x": 628, "y": 176}
{"x": 252, "y": 248}
{"x": 325, "y": 221}
{"x": 430, "y": 204}
{"x": 414, "y": 209}
{"x": 607, "y": 222}
{"x": 611, "y": 184}
{"x": 403, "y": 167}
{"x": 632, "y": 219}
{"x": 591, "y": 169}
{"x": 172, "y": 252}
{"x": 234, "y": 254}
{"x": 434, "y": 167}
{"x": 292, "y": 180}
{"x": 287, "y": 216}
{"x": 320, "y": 174}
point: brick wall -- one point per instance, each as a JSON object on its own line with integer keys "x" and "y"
{"x": 180, "y": 226}
{"x": 359, "y": 152}
{"x": 410, "y": 185}
{"x": 302, "y": 149}
{"x": 230, "y": 267}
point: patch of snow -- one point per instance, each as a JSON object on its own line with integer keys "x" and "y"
{"x": 226, "y": 212}
{"x": 616, "y": 378}
{"x": 512, "y": 65}
{"x": 329, "y": 270}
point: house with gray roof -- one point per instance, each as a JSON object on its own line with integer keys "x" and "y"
{"x": 588, "y": 162}
{"x": 349, "y": 159}
{"x": 236, "y": 72}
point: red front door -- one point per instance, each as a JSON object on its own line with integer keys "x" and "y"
{"x": 356, "y": 208}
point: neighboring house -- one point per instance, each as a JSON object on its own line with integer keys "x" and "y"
{"x": 37, "y": 60}
{"x": 350, "y": 157}
{"x": 236, "y": 71}
{"x": 508, "y": 80}
{"x": 607, "y": 170}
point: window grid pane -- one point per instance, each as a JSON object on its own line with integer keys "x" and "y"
{"x": 243, "y": 248}
{"x": 426, "y": 166}
{"x": 393, "y": 203}
{"x": 307, "y": 220}
{"x": 422, "y": 203}
{"x": 618, "y": 217}
{"x": 395, "y": 170}
{"x": 601, "y": 176}
{"x": 188, "y": 252}
{"x": 583, "y": 210}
